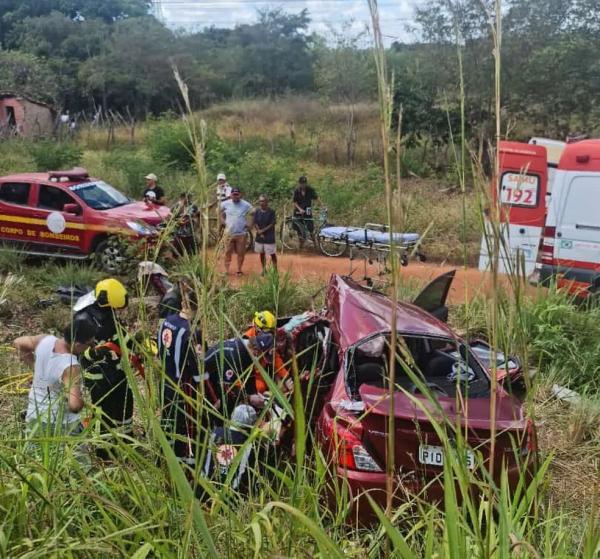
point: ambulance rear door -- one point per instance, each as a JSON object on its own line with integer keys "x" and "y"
{"x": 521, "y": 195}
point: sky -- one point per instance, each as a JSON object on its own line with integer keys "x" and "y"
{"x": 350, "y": 15}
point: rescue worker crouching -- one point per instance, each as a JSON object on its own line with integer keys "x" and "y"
{"x": 104, "y": 372}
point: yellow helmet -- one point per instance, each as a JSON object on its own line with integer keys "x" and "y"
{"x": 265, "y": 320}
{"x": 111, "y": 293}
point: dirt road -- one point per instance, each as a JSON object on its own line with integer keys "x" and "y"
{"x": 467, "y": 283}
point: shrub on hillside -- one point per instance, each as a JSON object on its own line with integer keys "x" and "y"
{"x": 50, "y": 155}
{"x": 16, "y": 157}
{"x": 133, "y": 166}
{"x": 169, "y": 143}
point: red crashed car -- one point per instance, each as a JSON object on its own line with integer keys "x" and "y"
{"x": 351, "y": 339}
{"x": 70, "y": 214}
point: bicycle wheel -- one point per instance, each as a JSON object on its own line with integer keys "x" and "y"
{"x": 288, "y": 235}
{"x": 331, "y": 247}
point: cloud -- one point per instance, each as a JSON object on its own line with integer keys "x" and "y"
{"x": 395, "y": 15}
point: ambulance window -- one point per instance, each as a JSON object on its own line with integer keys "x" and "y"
{"x": 15, "y": 193}
{"x": 580, "y": 207}
{"x": 52, "y": 198}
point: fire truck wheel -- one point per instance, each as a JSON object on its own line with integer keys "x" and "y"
{"x": 110, "y": 256}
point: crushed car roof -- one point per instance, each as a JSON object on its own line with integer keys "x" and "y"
{"x": 358, "y": 312}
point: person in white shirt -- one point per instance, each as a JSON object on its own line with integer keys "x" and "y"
{"x": 55, "y": 397}
{"x": 223, "y": 188}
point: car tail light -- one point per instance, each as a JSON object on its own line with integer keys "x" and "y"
{"x": 532, "y": 445}
{"x": 350, "y": 452}
{"x": 547, "y": 248}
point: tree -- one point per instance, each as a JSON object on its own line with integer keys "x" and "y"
{"x": 345, "y": 71}
{"x": 273, "y": 55}
{"x": 12, "y": 12}
{"x": 27, "y": 75}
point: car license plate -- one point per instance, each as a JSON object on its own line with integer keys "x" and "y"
{"x": 434, "y": 456}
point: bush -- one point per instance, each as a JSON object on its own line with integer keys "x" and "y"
{"x": 16, "y": 157}
{"x": 133, "y": 166}
{"x": 169, "y": 144}
{"x": 565, "y": 337}
{"x": 50, "y": 155}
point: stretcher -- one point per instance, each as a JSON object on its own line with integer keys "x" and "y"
{"x": 371, "y": 241}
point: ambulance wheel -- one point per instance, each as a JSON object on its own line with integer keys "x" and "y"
{"x": 110, "y": 256}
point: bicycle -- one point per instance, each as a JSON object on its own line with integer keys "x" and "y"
{"x": 294, "y": 227}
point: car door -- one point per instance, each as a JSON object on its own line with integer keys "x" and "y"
{"x": 577, "y": 242}
{"x": 15, "y": 214}
{"x": 433, "y": 297}
{"x": 58, "y": 230}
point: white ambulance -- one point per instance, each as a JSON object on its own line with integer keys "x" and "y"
{"x": 550, "y": 212}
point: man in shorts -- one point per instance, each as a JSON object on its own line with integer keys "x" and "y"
{"x": 234, "y": 215}
{"x": 264, "y": 223}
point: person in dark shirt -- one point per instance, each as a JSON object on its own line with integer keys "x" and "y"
{"x": 177, "y": 347}
{"x": 105, "y": 378}
{"x": 233, "y": 363}
{"x": 186, "y": 214}
{"x": 304, "y": 196}
{"x": 153, "y": 193}
{"x": 264, "y": 224}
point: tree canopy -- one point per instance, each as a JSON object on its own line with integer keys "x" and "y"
{"x": 82, "y": 54}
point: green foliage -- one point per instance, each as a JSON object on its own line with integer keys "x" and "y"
{"x": 132, "y": 166}
{"x": 169, "y": 143}
{"x": 564, "y": 336}
{"x": 16, "y": 157}
{"x": 24, "y": 74}
{"x": 345, "y": 72}
{"x": 50, "y": 155}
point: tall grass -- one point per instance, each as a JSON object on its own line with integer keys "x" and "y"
{"x": 143, "y": 503}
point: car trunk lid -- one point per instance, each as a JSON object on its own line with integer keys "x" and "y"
{"x": 415, "y": 433}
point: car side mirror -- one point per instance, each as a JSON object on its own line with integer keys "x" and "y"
{"x": 74, "y": 209}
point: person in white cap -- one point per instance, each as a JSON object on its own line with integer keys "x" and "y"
{"x": 153, "y": 189}
{"x": 223, "y": 188}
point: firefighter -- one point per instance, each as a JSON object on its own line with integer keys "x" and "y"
{"x": 103, "y": 364}
{"x": 263, "y": 322}
{"x": 100, "y": 305}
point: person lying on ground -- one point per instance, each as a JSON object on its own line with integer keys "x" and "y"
{"x": 55, "y": 398}
{"x": 225, "y": 443}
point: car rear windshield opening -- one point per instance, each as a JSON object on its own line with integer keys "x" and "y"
{"x": 100, "y": 195}
{"x": 443, "y": 365}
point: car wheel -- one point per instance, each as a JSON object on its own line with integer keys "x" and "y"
{"x": 110, "y": 256}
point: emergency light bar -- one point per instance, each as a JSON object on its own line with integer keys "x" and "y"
{"x": 75, "y": 174}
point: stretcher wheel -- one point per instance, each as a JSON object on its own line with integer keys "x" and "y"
{"x": 330, "y": 247}
{"x": 422, "y": 257}
{"x": 404, "y": 260}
